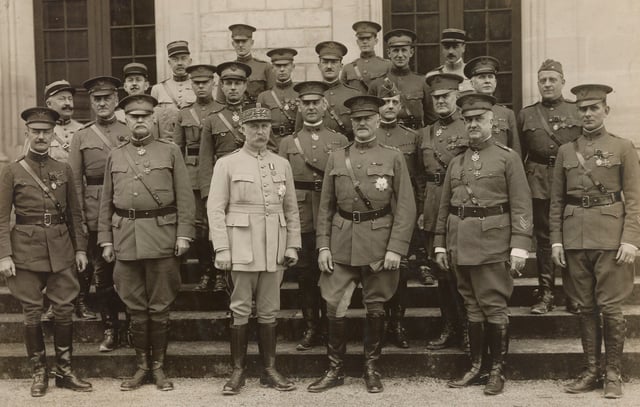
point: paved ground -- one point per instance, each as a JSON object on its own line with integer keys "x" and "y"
{"x": 398, "y": 392}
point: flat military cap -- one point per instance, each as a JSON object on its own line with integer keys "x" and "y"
{"x": 177, "y": 47}
{"x": 141, "y": 104}
{"x": 400, "y": 38}
{"x": 233, "y": 70}
{"x": 256, "y": 114}
{"x": 443, "y": 83}
{"x": 282, "y": 55}
{"x": 241, "y": 31}
{"x": 473, "y": 104}
{"x": 135, "y": 68}
{"x": 366, "y": 28}
{"x": 551, "y": 65}
{"x": 310, "y": 90}
{"x": 363, "y": 105}
{"x": 40, "y": 117}
{"x": 331, "y": 50}
{"x": 453, "y": 35}
{"x": 388, "y": 89}
{"x": 590, "y": 94}
{"x": 102, "y": 85}
{"x": 57, "y": 86}
{"x": 202, "y": 71}
{"x": 480, "y": 65}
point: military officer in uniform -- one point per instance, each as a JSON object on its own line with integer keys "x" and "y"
{"x": 484, "y": 222}
{"x": 308, "y": 151}
{"x": 135, "y": 78}
{"x": 365, "y": 221}
{"x": 368, "y": 66}
{"x": 595, "y": 233}
{"x": 255, "y": 230}
{"x": 544, "y": 127}
{"x": 176, "y": 92}
{"x": 441, "y": 142}
{"x": 146, "y": 224}
{"x": 482, "y": 73}
{"x": 88, "y": 154}
{"x": 281, "y": 99}
{"x": 44, "y": 248}
{"x": 418, "y": 110}
{"x": 187, "y": 137}
{"x": 453, "y": 43}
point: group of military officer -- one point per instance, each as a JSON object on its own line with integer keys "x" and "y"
{"x": 329, "y": 178}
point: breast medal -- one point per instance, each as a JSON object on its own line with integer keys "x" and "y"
{"x": 141, "y": 151}
{"x": 235, "y": 116}
{"x": 475, "y": 156}
{"x": 382, "y": 184}
{"x": 315, "y": 137}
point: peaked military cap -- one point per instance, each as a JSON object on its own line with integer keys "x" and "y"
{"x": 241, "y": 31}
{"x": 366, "y": 28}
{"x": 453, "y": 35}
{"x": 400, "y": 37}
{"x": 388, "y": 89}
{"x": 282, "y": 55}
{"x": 551, "y": 65}
{"x": 473, "y": 104}
{"x": 256, "y": 114}
{"x": 201, "y": 71}
{"x": 57, "y": 86}
{"x": 480, "y": 65}
{"x": 310, "y": 90}
{"x": 590, "y": 94}
{"x": 363, "y": 105}
{"x": 141, "y": 104}
{"x": 331, "y": 50}
{"x": 102, "y": 85}
{"x": 40, "y": 117}
{"x": 443, "y": 83}
{"x": 233, "y": 70}
{"x": 178, "y": 47}
{"x": 135, "y": 68}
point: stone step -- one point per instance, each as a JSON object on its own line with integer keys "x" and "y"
{"x": 420, "y": 324}
{"x": 530, "y": 359}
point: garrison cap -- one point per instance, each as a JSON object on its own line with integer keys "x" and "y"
{"x": 178, "y": 47}
{"x": 102, "y": 85}
{"x": 284, "y": 55}
{"x": 135, "y": 68}
{"x": 388, "y": 89}
{"x": 233, "y": 70}
{"x": 331, "y": 50}
{"x": 241, "y": 31}
{"x": 366, "y": 28}
{"x": 141, "y": 104}
{"x": 40, "y": 117}
{"x": 57, "y": 86}
{"x": 473, "y": 104}
{"x": 443, "y": 83}
{"x": 256, "y": 114}
{"x": 590, "y": 94}
{"x": 202, "y": 71}
{"x": 400, "y": 37}
{"x": 551, "y": 65}
{"x": 363, "y": 105}
{"x": 453, "y": 35}
{"x": 310, "y": 90}
{"x": 480, "y": 65}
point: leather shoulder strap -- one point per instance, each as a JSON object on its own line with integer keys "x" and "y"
{"x": 545, "y": 125}
{"x": 354, "y": 180}
{"x": 104, "y": 138}
{"x": 140, "y": 176}
{"x": 236, "y": 136}
{"x": 279, "y": 103}
{"x": 587, "y": 171}
{"x": 296, "y": 141}
{"x": 170, "y": 93}
{"x": 41, "y": 184}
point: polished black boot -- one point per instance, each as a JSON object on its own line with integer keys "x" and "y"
{"x": 336, "y": 349}
{"x": 373, "y": 334}
{"x": 206, "y": 278}
{"x": 591, "y": 346}
{"x": 614, "y": 335}
{"x": 395, "y": 332}
{"x": 220, "y": 283}
{"x": 447, "y": 336}
{"x": 425, "y": 277}
{"x": 140, "y": 338}
{"x": 311, "y": 336}
{"x": 477, "y": 347}
{"x": 239, "y": 339}
{"x": 159, "y": 338}
{"x": 37, "y": 359}
{"x": 65, "y": 378}
{"x": 499, "y": 346}
{"x": 270, "y": 375}
{"x": 110, "y": 323}
{"x": 546, "y": 280}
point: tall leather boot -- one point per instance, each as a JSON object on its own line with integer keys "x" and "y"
{"x": 336, "y": 349}
{"x": 110, "y": 322}
{"x": 394, "y": 308}
{"x": 37, "y": 359}
{"x": 311, "y": 336}
{"x": 81, "y": 309}
{"x": 62, "y": 338}
{"x": 499, "y": 346}
{"x": 159, "y": 338}
{"x": 447, "y": 336}
{"x": 373, "y": 334}
{"x": 590, "y": 376}
{"x": 140, "y": 338}
{"x": 614, "y": 335}
{"x": 477, "y": 347}
{"x": 239, "y": 339}
{"x": 546, "y": 280}
{"x": 270, "y": 376}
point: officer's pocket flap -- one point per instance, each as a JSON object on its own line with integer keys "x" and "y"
{"x": 170, "y": 219}
{"x": 338, "y": 171}
{"x": 92, "y": 191}
{"x": 237, "y": 219}
{"x": 568, "y": 211}
{"x": 301, "y": 195}
{"x": 570, "y": 164}
{"x": 119, "y": 167}
{"x": 242, "y": 178}
{"x": 495, "y": 222}
{"x": 384, "y": 222}
{"x": 116, "y": 221}
{"x": 338, "y": 221}
{"x": 160, "y": 164}
{"x": 191, "y": 160}
{"x": 283, "y": 220}
{"x": 277, "y": 178}
{"x": 612, "y": 210}
{"x": 26, "y": 229}
{"x": 380, "y": 170}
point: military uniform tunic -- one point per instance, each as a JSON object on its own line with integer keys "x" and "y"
{"x": 505, "y": 128}
{"x": 337, "y": 115}
{"x": 61, "y": 142}
{"x": 283, "y": 110}
{"x": 262, "y": 78}
{"x": 172, "y": 96}
{"x": 361, "y": 72}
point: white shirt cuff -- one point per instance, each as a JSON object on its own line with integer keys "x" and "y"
{"x": 557, "y": 245}
{"x": 629, "y": 244}
{"x": 519, "y": 252}
{"x": 440, "y": 250}
{"x": 105, "y": 244}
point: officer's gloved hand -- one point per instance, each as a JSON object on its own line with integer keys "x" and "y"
{"x": 325, "y": 261}
{"x": 223, "y": 260}
{"x": 517, "y": 265}
{"x": 7, "y": 267}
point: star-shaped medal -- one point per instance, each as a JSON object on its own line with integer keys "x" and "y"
{"x": 315, "y": 137}
{"x": 475, "y": 156}
{"x": 141, "y": 151}
{"x": 235, "y": 116}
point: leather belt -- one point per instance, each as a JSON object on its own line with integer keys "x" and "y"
{"x": 309, "y": 185}
{"x": 478, "y": 211}
{"x": 414, "y": 124}
{"x": 193, "y": 150}
{"x": 548, "y": 161}
{"x": 148, "y": 213}
{"x": 45, "y": 219}
{"x": 282, "y": 131}
{"x": 95, "y": 180}
{"x": 437, "y": 177}
{"x": 357, "y": 216}
{"x": 587, "y": 201}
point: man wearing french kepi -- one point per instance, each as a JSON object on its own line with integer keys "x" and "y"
{"x": 595, "y": 234}
{"x": 255, "y": 231}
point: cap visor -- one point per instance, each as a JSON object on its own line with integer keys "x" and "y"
{"x": 311, "y": 96}
{"x": 363, "y": 113}
{"x": 440, "y": 92}
{"x": 103, "y": 92}
{"x": 588, "y": 102}
{"x": 240, "y": 37}
{"x": 41, "y": 125}
{"x": 238, "y": 77}
{"x": 474, "y": 112}
{"x": 140, "y": 112}
{"x": 451, "y": 40}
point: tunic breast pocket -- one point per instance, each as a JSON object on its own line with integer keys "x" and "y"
{"x": 242, "y": 187}
{"x": 279, "y": 185}
{"x": 381, "y": 177}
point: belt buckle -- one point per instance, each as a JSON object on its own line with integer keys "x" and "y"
{"x": 283, "y": 131}
{"x": 461, "y": 211}
{"x": 46, "y": 219}
{"x": 66, "y": 146}
{"x": 131, "y": 214}
{"x": 317, "y": 185}
{"x": 355, "y": 216}
{"x": 439, "y": 179}
{"x": 585, "y": 201}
